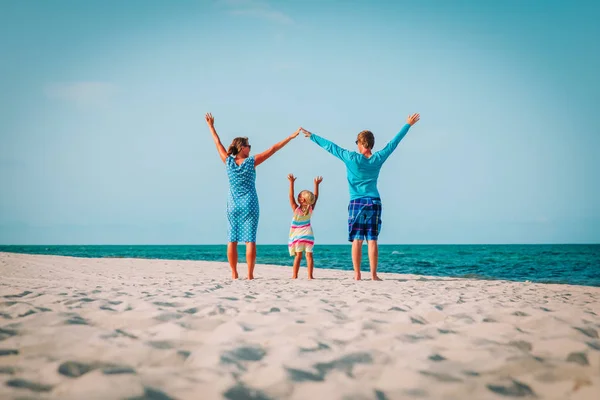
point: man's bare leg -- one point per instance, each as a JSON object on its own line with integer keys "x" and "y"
{"x": 251, "y": 258}
{"x": 232, "y": 257}
{"x": 310, "y": 264}
{"x": 297, "y": 260}
{"x": 373, "y": 258}
{"x": 356, "y": 257}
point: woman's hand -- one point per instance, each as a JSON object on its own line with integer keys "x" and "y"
{"x": 296, "y": 133}
{"x": 210, "y": 120}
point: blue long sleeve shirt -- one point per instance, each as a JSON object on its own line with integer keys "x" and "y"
{"x": 362, "y": 172}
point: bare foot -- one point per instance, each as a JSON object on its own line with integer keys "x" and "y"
{"x": 295, "y": 277}
{"x": 357, "y": 276}
{"x": 311, "y": 277}
{"x": 376, "y": 278}
{"x": 234, "y": 275}
{"x": 250, "y": 277}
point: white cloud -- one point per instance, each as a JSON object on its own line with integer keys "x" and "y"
{"x": 82, "y": 93}
{"x": 257, "y": 9}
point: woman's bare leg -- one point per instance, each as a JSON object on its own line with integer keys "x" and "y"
{"x": 251, "y": 258}
{"x": 232, "y": 257}
{"x": 297, "y": 260}
{"x": 310, "y": 264}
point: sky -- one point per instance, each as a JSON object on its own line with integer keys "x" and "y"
{"x": 103, "y": 138}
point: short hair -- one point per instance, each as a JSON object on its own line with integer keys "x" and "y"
{"x": 366, "y": 139}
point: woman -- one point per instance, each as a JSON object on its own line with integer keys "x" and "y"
{"x": 242, "y": 202}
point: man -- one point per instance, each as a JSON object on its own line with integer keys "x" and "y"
{"x": 364, "y": 210}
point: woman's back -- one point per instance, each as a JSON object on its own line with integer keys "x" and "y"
{"x": 242, "y": 178}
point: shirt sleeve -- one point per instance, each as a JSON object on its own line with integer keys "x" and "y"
{"x": 331, "y": 147}
{"x": 391, "y": 146}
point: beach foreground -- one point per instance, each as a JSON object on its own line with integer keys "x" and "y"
{"x": 75, "y": 328}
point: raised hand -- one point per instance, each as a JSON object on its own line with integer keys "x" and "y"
{"x": 306, "y": 133}
{"x": 291, "y": 178}
{"x": 318, "y": 180}
{"x": 413, "y": 119}
{"x": 296, "y": 133}
{"x": 210, "y": 120}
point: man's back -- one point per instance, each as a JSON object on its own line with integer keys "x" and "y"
{"x": 362, "y": 172}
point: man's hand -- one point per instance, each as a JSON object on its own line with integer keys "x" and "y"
{"x": 413, "y": 119}
{"x": 318, "y": 180}
{"x": 306, "y": 133}
{"x": 210, "y": 120}
{"x": 291, "y": 178}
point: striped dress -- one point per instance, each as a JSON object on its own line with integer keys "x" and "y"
{"x": 301, "y": 233}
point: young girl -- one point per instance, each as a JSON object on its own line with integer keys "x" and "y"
{"x": 301, "y": 233}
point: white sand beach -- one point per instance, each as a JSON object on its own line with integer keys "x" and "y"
{"x": 76, "y": 328}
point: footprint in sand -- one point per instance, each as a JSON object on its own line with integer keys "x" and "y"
{"x": 440, "y": 377}
{"x": 16, "y": 296}
{"x": 6, "y": 333}
{"x": 241, "y": 391}
{"x": 591, "y": 332}
{"x": 578, "y": 358}
{"x": 521, "y": 345}
{"x": 75, "y": 369}
{"x": 437, "y": 357}
{"x": 344, "y": 364}
{"x": 320, "y": 346}
{"x": 512, "y": 389}
{"x": 76, "y": 320}
{"x": 166, "y": 304}
{"x": 25, "y": 384}
{"x": 7, "y": 370}
{"x": 152, "y": 394}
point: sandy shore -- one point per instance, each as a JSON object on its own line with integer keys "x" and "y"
{"x": 74, "y": 328}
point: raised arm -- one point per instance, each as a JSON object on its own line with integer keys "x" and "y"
{"x": 211, "y": 125}
{"x": 292, "y": 178}
{"x": 318, "y": 181}
{"x": 264, "y": 156}
{"x": 328, "y": 146}
{"x": 391, "y": 146}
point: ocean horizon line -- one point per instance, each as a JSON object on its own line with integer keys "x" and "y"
{"x": 319, "y": 244}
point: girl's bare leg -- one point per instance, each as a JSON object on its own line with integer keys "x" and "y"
{"x": 310, "y": 264}
{"x": 251, "y": 258}
{"x": 232, "y": 257}
{"x": 297, "y": 260}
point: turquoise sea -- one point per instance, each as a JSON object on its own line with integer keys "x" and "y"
{"x": 577, "y": 264}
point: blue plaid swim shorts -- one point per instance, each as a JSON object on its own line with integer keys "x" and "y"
{"x": 364, "y": 219}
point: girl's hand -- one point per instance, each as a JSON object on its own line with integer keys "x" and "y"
{"x": 291, "y": 178}
{"x": 210, "y": 120}
{"x": 318, "y": 180}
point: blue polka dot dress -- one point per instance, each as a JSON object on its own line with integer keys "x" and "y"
{"x": 242, "y": 202}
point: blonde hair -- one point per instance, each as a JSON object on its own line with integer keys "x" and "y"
{"x": 367, "y": 139}
{"x": 236, "y": 146}
{"x": 309, "y": 200}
